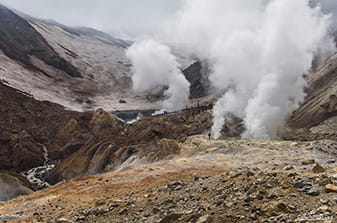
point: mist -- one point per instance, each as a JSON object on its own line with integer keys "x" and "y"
{"x": 128, "y": 19}
{"x": 258, "y": 52}
{"x": 154, "y": 65}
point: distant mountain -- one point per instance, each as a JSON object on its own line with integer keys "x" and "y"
{"x": 45, "y": 59}
{"x": 53, "y": 54}
{"x": 89, "y": 32}
{"x": 19, "y": 40}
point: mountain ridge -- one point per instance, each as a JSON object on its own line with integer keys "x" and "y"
{"x": 24, "y": 41}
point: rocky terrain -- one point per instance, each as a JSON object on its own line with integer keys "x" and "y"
{"x": 19, "y": 41}
{"x": 111, "y": 164}
{"x": 209, "y": 181}
{"x": 160, "y": 169}
{"x": 316, "y": 117}
{"x": 27, "y": 126}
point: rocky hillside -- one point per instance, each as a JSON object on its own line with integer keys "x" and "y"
{"x": 317, "y": 116}
{"x": 35, "y": 133}
{"x": 88, "y": 32}
{"x": 79, "y": 68}
{"x": 19, "y": 40}
{"x": 117, "y": 147}
{"x": 29, "y": 127}
{"x": 46, "y": 59}
{"x": 13, "y": 185}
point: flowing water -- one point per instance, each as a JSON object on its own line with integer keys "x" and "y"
{"x": 36, "y": 175}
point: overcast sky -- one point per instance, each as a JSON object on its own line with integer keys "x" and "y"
{"x": 129, "y": 17}
{"x": 124, "y": 18}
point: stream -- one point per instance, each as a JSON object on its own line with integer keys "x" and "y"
{"x": 37, "y": 175}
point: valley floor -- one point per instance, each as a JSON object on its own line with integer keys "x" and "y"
{"x": 209, "y": 181}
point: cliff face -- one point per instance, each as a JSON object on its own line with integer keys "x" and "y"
{"x": 197, "y": 74}
{"x": 28, "y": 126}
{"x": 19, "y": 40}
{"x": 315, "y": 118}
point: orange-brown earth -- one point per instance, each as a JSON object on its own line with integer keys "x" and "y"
{"x": 209, "y": 181}
{"x": 163, "y": 168}
{"x": 160, "y": 169}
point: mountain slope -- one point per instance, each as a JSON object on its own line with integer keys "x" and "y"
{"x": 32, "y": 55}
{"x": 316, "y": 117}
{"x": 89, "y": 32}
{"x": 30, "y": 128}
{"x": 19, "y": 40}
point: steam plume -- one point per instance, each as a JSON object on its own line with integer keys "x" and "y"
{"x": 259, "y": 51}
{"x": 154, "y": 65}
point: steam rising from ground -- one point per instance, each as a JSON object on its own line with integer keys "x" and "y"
{"x": 258, "y": 51}
{"x": 154, "y": 65}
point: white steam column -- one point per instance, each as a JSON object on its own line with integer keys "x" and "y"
{"x": 154, "y": 65}
{"x": 258, "y": 51}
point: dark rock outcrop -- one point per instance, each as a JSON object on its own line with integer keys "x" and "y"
{"x": 320, "y": 103}
{"x": 197, "y": 75}
{"x": 101, "y": 121}
{"x": 28, "y": 126}
{"x": 19, "y": 40}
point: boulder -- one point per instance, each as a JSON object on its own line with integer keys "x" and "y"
{"x": 12, "y": 186}
{"x": 330, "y": 188}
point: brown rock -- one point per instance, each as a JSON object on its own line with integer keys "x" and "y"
{"x": 116, "y": 147}
{"x": 318, "y": 169}
{"x": 102, "y": 155}
{"x": 274, "y": 208}
{"x": 68, "y": 128}
{"x": 101, "y": 121}
{"x": 308, "y": 162}
{"x": 285, "y": 185}
{"x": 170, "y": 218}
{"x": 205, "y": 219}
{"x": 63, "y": 220}
{"x": 330, "y": 188}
